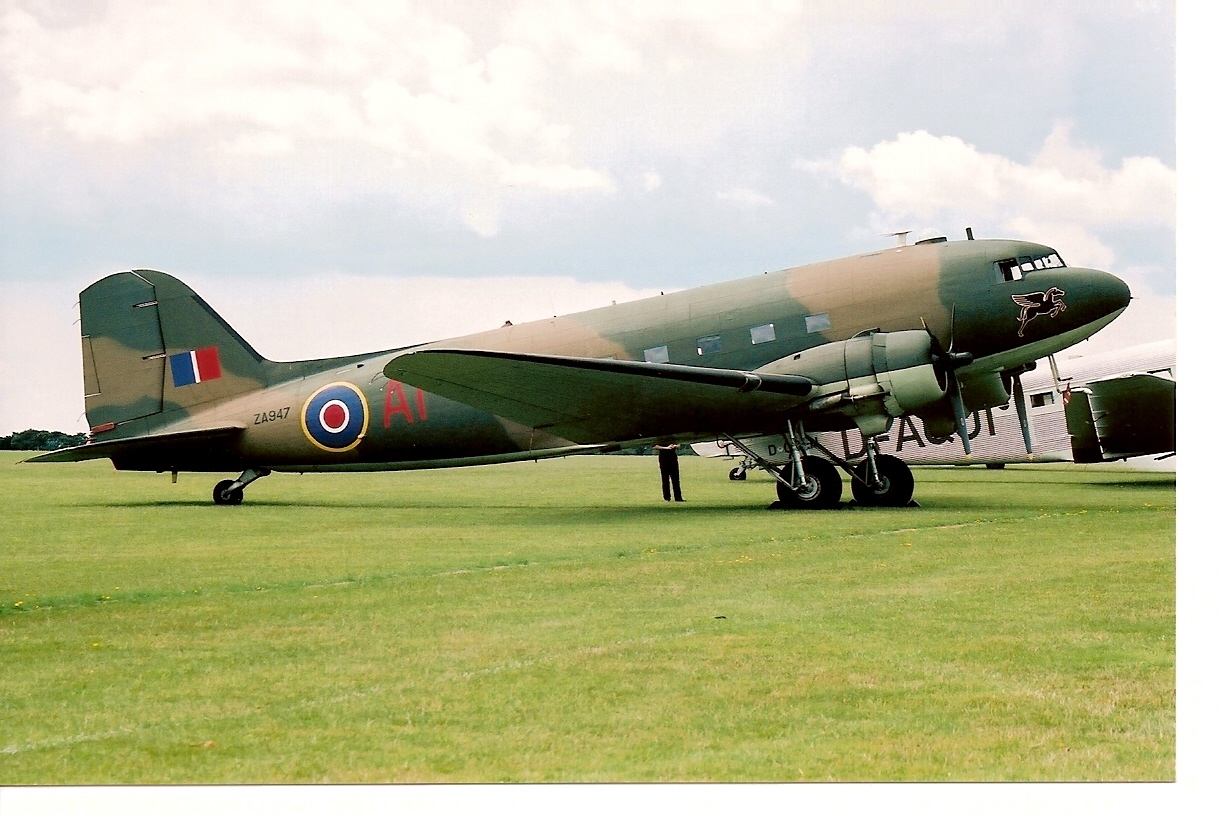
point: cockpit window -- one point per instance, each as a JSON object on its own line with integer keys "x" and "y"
{"x": 1014, "y": 268}
{"x": 1008, "y": 269}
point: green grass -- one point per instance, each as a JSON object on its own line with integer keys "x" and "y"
{"x": 556, "y": 621}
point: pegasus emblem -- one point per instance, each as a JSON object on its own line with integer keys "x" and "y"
{"x": 1038, "y": 302}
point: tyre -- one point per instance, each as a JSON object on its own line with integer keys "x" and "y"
{"x": 895, "y": 488}
{"x": 822, "y": 491}
{"x": 739, "y": 473}
{"x": 233, "y": 498}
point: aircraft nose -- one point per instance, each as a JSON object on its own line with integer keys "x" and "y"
{"x": 1102, "y": 292}
{"x": 1048, "y": 303}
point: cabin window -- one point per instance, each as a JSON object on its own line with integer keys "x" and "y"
{"x": 815, "y": 323}
{"x": 1041, "y": 399}
{"x": 657, "y": 355}
{"x": 762, "y": 333}
{"x": 709, "y": 344}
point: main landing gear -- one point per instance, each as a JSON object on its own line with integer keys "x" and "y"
{"x": 809, "y": 481}
{"x": 891, "y": 484}
{"x": 231, "y": 493}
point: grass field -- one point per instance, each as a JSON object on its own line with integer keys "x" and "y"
{"x": 556, "y": 621}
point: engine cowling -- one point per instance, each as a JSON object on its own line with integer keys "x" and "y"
{"x": 872, "y": 378}
{"x": 977, "y": 393}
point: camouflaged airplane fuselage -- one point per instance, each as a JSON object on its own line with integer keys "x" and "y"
{"x": 847, "y": 343}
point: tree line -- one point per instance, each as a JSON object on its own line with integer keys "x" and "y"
{"x": 41, "y": 440}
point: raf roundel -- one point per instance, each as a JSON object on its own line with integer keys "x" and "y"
{"x": 335, "y": 417}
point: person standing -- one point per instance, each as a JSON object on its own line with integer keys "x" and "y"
{"x": 670, "y": 470}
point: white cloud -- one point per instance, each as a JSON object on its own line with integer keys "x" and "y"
{"x": 259, "y": 144}
{"x": 314, "y": 317}
{"x": 556, "y": 177}
{"x": 482, "y": 215}
{"x": 1065, "y": 190}
{"x": 427, "y": 96}
{"x": 269, "y": 78}
{"x": 744, "y": 197}
{"x": 1064, "y": 197}
{"x": 626, "y": 36}
{"x": 652, "y": 180}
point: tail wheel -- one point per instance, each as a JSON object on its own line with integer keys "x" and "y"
{"x": 823, "y": 488}
{"x": 233, "y": 498}
{"x": 739, "y": 473}
{"x": 895, "y": 488}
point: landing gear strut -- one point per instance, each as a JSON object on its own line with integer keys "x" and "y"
{"x": 807, "y": 481}
{"x": 231, "y": 493}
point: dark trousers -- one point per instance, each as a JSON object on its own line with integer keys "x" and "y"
{"x": 670, "y": 472}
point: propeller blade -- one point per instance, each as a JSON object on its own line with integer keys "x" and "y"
{"x": 948, "y": 361}
{"x": 1021, "y": 409}
{"x": 958, "y": 408}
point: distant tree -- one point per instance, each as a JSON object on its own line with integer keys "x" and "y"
{"x": 41, "y": 440}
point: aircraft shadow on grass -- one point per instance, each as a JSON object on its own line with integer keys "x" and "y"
{"x": 589, "y": 513}
{"x": 1137, "y": 484}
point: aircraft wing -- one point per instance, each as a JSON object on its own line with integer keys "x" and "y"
{"x": 598, "y": 400}
{"x": 139, "y": 444}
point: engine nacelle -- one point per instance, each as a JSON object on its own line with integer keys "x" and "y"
{"x": 986, "y": 390}
{"x": 874, "y": 378}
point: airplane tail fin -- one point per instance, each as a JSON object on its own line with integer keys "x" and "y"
{"x": 153, "y": 349}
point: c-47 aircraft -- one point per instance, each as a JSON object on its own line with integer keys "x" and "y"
{"x": 937, "y": 329}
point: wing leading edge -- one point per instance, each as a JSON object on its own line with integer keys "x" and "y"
{"x": 598, "y": 400}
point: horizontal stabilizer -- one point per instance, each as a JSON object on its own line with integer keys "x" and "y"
{"x": 1134, "y": 415}
{"x": 140, "y": 444}
{"x": 598, "y": 400}
{"x": 1122, "y": 417}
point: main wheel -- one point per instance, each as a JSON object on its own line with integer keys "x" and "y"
{"x": 739, "y": 473}
{"x": 823, "y": 489}
{"x": 232, "y": 499}
{"x": 895, "y": 488}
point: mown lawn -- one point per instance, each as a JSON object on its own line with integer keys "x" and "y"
{"x": 556, "y": 621}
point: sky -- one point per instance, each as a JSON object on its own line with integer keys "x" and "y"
{"x": 335, "y": 177}
{"x": 338, "y": 177}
